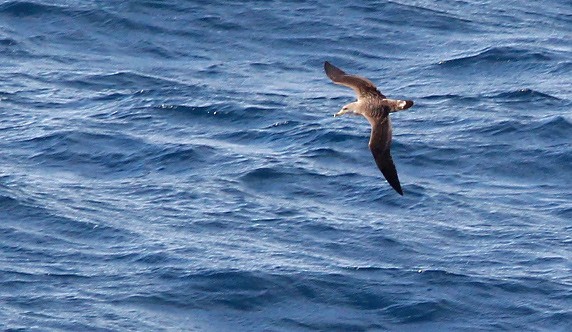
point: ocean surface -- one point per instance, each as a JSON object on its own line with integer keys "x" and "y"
{"x": 175, "y": 166}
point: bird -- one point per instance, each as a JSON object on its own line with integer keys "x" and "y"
{"x": 375, "y": 107}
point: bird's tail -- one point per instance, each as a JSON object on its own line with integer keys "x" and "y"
{"x": 400, "y": 105}
{"x": 404, "y": 104}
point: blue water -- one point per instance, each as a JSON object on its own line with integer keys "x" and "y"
{"x": 174, "y": 165}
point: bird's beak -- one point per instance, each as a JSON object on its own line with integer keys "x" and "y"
{"x": 340, "y": 113}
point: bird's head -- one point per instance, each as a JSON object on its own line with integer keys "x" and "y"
{"x": 347, "y": 108}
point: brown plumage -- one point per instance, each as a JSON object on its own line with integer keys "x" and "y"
{"x": 375, "y": 107}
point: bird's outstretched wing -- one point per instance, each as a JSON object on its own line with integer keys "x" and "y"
{"x": 362, "y": 86}
{"x": 380, "y": 144}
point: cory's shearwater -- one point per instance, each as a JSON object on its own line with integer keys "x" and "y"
{"x": 375, "y": 107}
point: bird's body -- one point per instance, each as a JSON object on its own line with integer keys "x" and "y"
{"x": 375, "y": 107}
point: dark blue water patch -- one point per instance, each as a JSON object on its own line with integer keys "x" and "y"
{"x": 246, "y": 136}
{"x": 114, "y": 95}
{"x": 502, "y": 58}
{"x": 213, "y": 69}
{"x": 8, "y": 42}
{"x": 455, "y": 97}
{"x": 499, "y": 128}
{"x": 558, "y": 129}
{"x": 124, "y": 80}
{"x": 533, "y": 165}
{"x": 566, "y": 213}
{"x": 90, "y": 154}
{"x": 553, "y": 132}
{"x": 286, "y": 180}
{"x": 33, "y": 227}
{"x": 274, "y": 179}
{"x": 527, "y": 100}
{"x": 284, "y": 126}
{"x": 218, "y": 23}
{"x": 67, "y": 15}
{"x": 328, "y": 156}
{"x": 527, "y": 135}
{"x": 434, "y": 20}
{"x": 266, "y": 288}
{"x": 14, "y": 49}
{"x": 97, "y": 35}
{"x": 559, "y": 320}
{"x": 531, "y": 285}
{"x": 294, "y": 324}
{"x": 250, "y": 290}
{"x": 423, "y": 154}
{"x": 27, "y": 9}
{"x": 6, "y": 201}
{"x": 524, "y": 95}
{"x": 221, "y": 114}
{"x": 422, "y": 311}
{"x": 236, "y": 290}
{"x": 492, "y": 288}
{"x": 508, "y": 54}
{"x": 156, "y": 4}
{"x": 184, "y": 158}
{"x": 6, "y": 93}
{"x": 314, "y": 135}
{"x": 562, "y": 67}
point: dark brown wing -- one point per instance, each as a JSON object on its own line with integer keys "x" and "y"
{"x": 380, "y": 144}
{"x": 362, "y": 86}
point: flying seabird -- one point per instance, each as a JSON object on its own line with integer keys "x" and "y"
{"x": 375, "y": 107}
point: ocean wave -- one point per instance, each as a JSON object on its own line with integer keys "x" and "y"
{"x": 91, "y": 29}
{"x": 455, "y": 97}
{"x": 218, "y": 23}
{"x": 123, "y": 80}
{"x": 237, "y": 290}
{"x": 46, "y": 226}
{"x": 356, "y": 292}
{"x": 502, "y": 127}
{"x": 13, "y": 48}
{"x": 25, "y": 8}
{"x": 499, "y": 55}
{"x": 6, "y": 42}
{"x": 527, "y": 99}
{"x": 9, "y": 203}
{"x": 311, "y": 136}
{"x": 89, "y": 154}
{"x": 91, "y": 15}
{"x": 328, "y": 155}
{"x": 283, "y": 299}
{"x": 285, "y": 180}
{"x": 430, "y": 17}
{"x": 221, "y": 112}
{"x": 555, "y": 129}
{"x": 182, "y": 158}
{"x": 524, "y": 95}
